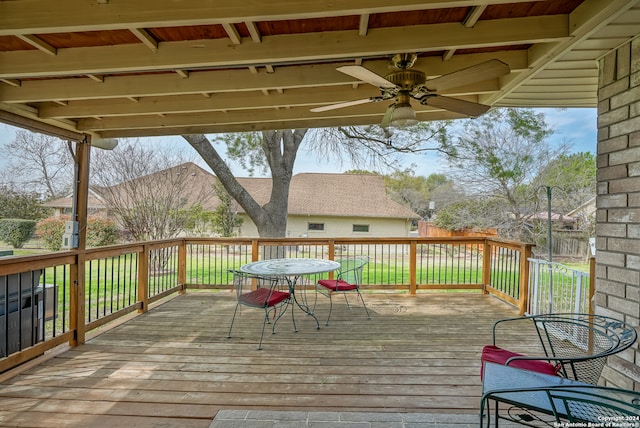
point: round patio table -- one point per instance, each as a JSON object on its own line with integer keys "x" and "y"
{"x": 291, "y": 270}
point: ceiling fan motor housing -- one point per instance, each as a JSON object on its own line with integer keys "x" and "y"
{"x": 406, "y": 79}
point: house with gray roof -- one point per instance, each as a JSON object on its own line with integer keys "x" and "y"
{"x": 336, "y": 205}
{"x": 320, "y": 205}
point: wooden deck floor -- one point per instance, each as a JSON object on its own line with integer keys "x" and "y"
{"x": 174, "y": 366}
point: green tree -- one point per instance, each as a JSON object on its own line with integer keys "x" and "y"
{"x": 416, "y": 192}
{"x": 24, "y": 205}
{"x": 276, "y": 151}
{"x": 226, "y": 220}
{"x": 199, "y": 220}
{"x": 498, "y": 156}
{"x": 279, "y": 149}
{"x": 16, "y": 232}
{"x": 570, "y": 181}
{"x": 473, "y": 213}
{"x": 572, "y": 178}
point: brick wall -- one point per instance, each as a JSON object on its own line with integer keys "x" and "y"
{"x": 618, "y": 203}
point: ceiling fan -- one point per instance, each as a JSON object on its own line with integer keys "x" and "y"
{"x": 404, "y": 83}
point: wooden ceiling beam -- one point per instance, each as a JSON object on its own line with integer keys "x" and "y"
{"x": 253, "y": 31}
{"x": 276, "y": 50}
{"x": 96, "y": 78}
{"x": 469, "y": 21}
{"x": 213, "y": 128}
{"x": 27, "y": 117}
{"x": 236, "y": 116}
{"x": 256, "y": 126}
{"x": 12, "y": 82}
{"x": 146, "y": 38}
{"x": 474, "y": 16}
{"x": 304, "y": 76}
{"x": 302, "y": 97}
{"x": 44, "y": 16}
{"x": 38, "y": 43}
{"x": 232, "y": 32}
{"x": 363, "y": 27}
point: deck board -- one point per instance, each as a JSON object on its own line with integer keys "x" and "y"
{"x": 174, "y": 366}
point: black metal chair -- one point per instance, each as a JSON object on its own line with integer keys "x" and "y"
{"x": 574, "y": 346}
{"x": 347, "y": 280}
{"x": 585, "y": 405}
{"x": 259, "y": 292}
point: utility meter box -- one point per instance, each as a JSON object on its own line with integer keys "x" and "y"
{"x": 70, "y": 235}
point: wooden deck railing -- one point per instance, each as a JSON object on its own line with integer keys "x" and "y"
{"x": 51, "y": 299}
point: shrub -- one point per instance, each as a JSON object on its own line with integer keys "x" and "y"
{"x": 16, "y": 231}
{"x": 100, "y": 231}
{"x": 50, "y": 231}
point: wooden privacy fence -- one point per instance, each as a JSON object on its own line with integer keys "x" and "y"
{"x": 50, "y": 299}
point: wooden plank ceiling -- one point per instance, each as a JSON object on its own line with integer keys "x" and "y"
{"x": 116, "y": 68}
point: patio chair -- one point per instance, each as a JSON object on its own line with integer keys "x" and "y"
{"x": 347, "y": 280}
{"x": 259, "y": 292}
{"x": 583, "y": 405}
{"x": 574, "y": 346}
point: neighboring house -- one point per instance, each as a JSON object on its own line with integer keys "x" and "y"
{"x": 64, "y": 206}
{"x": 585, "y": 215}
{"x": 335, "y": 205}
{"x": 582, "y": 218}
{"x": 571, "y": 231}
{"x": 320, "y": 205}
{"x": 559, "y": 221}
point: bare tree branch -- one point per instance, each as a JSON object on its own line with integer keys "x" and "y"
{"x": 149, "y": 190}
{"x": 38, "y": 163}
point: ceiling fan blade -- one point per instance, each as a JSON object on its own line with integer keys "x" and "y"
{"x": 476, "y": 73}
{"x": 386, "y": 120}
{"x": 458, "y": 106}
{"x": 366, "y": 75}
{"x": 341, "y": 105}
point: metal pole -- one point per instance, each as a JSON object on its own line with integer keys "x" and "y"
{"x": 550, "y": 249}
{"x": 549, "y": 235}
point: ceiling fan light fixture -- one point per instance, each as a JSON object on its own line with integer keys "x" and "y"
{"x": 403, "y": 115}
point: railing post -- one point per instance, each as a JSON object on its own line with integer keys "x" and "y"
{"x": 182, "y": 266}
{"x": 81, "y": 187}
{"x": 525, "y": 254}
{"x": 486, "y": 266}
{"x": 255, "y": 250}
{"x": 413, "y": 266}
{"x": 76, "y": 300}
{"x": 332, "y": 255}
{"x": 143, "y": 279}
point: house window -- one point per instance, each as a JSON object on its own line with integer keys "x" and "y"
{"x": 316, "y": 226}
{"x": 361, "y": 228}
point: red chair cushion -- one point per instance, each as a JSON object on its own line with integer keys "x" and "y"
{"x": 337, "y": 285}
{"x": 494, "y": 354}
{"x": 263, "y": 297}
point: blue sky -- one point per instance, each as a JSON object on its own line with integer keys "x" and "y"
{"x": 576, "y": 126}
